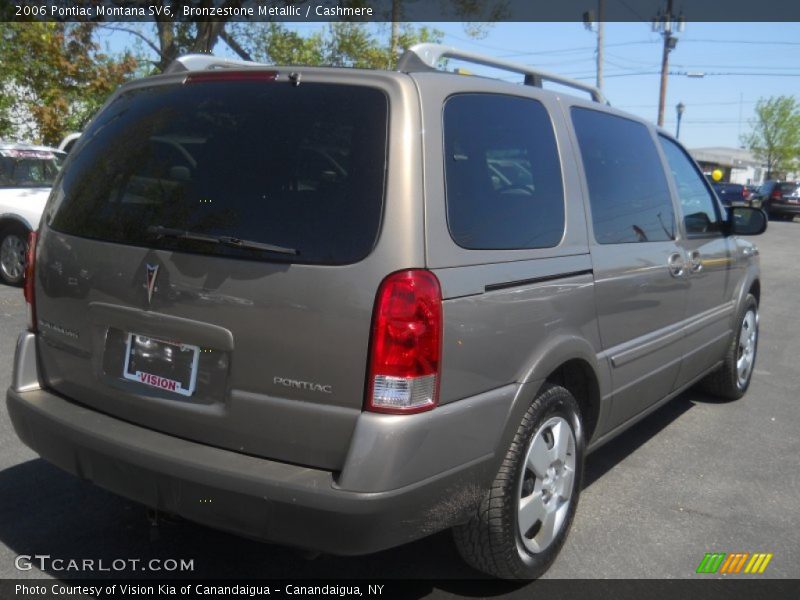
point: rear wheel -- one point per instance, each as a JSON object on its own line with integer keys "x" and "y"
{"x": 732, "y": 379}
{"x": 13, "y": 244}
{"x": 524, "y": 518}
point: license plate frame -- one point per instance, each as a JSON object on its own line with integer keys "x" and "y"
{"x": 139, "y": 368}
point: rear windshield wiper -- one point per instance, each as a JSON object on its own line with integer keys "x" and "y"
{"x": 225, "y": 240}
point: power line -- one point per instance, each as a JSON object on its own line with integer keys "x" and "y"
{"x": 732, "y": 103}
{"x": 759, "y": 42}
{"x": 731, "y": 67}
{"x": 736, "y": 74}
{"x": 695, "y": 75}
{"x": 576, "y": 49}
{"x": 515, "y": 53}
{"x": 693, "y": 67}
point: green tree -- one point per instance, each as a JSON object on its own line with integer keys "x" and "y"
{"x": 775, "y": 135}
{"x": 165, "y": 40}
{"x": 56, "y": 74}
{"x": 341, "y": 44}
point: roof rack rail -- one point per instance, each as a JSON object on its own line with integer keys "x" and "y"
{"x": 207, "y": 62}
{"x": 426, "y": 57}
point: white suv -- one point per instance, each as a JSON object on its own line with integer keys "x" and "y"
{"x": 26, "y": 175}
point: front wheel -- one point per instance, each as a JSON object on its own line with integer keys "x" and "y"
{"x": 524, "y": 519}
{"x": 13, "y": 246}
{"x": 732, "y": 379}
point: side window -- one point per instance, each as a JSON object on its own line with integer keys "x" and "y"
{"x": 628, "y": 190}
{"x": 697, "y": 204}
{"x": 502, "y": 173}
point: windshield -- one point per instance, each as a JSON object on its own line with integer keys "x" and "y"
{"x": 299, "y": 167}
{"x": 28, "y": 168}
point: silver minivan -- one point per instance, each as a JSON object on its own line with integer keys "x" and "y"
{"x": 342, "y": 309}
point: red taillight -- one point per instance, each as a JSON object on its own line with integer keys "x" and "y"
{"x": 226, "y": 75}
{"x": 776, "y": 194}
{"x": 28, "y": 285}
{"x": 745, "y": 193}
{"x": 406, "y": 344}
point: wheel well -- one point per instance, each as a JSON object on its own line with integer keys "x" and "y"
{"x": 8, "y": 223}
{"x": 579, "y": 378}
{"x": 755, "y": 289}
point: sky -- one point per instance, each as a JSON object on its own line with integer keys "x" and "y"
{"x": 741, "y": 63}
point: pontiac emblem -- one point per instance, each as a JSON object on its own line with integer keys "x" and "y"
{"x": 152, "y": 273}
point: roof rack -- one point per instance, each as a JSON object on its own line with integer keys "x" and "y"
{"x": 207, "y": 62}
{"x": 426, "y": 57}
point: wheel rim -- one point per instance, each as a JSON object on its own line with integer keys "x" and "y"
{"x": 12, "y": 257}
{"x": 746, "y": 355}
{"x": 546, "y": 486}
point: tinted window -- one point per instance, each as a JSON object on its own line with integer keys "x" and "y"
{"x": 28, "y": 168}
{"x": 723, "y": 188}
{"x": 628, "y": 190}
{"x": 299, "y": 167}
{"x": 502, "y": 172}
{"x": 697, "y": 203}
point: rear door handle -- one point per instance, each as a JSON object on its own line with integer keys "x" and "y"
{"x": 677, "y": 268}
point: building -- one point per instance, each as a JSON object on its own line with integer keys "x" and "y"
{"x": 737, "y": 164}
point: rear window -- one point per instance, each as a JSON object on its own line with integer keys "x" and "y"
{"x": 789, "y": 188}
{"x": 296, "y": 167}
{"x": 28, "y": 168}
{"x": 729, "y": 188}
{"x": 502, "y": 173}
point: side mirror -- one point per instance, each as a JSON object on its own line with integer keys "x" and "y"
{"x": 745, "y": 220}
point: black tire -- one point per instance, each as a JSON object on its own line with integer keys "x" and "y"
{"x": 491, "y": 541}
{"x": 725, "y": 382}
{"x": 15, "y": 236}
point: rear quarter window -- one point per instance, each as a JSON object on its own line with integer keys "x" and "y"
{"x": 297, "y": 167}
{"x": 502, "y": 173}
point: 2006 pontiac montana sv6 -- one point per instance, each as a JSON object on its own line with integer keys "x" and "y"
{"x": 354, "y": 308}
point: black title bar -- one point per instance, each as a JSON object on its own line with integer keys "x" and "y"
{"x": 400, "y": 10}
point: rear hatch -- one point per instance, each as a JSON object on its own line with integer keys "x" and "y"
{"x": 790, "y": 192}
{"x": 208, "y": 263}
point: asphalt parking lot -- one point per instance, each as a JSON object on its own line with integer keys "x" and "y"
{"x": 697, "y": 476}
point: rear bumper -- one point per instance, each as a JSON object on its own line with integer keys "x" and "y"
{"x": 266, "y": 499}
{"x": 250, "y": 496}
{"x": 779, "y": 208}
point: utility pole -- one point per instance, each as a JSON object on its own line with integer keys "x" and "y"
{"x": 665, "y": 24}
{"x": 588, "y": 23}
{"x": 394, "y": 40}
{"x": 600, "y": 27}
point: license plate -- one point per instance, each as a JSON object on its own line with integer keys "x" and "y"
{"x": 168, "y": 366}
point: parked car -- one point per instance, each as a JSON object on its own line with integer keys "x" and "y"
{"x": 753, "y": 189}
{"x": 26, "y": 175}
{"x": 780, "y": 199}
{"x": 732, "y": 194}
{"x": 331, "y": 331}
